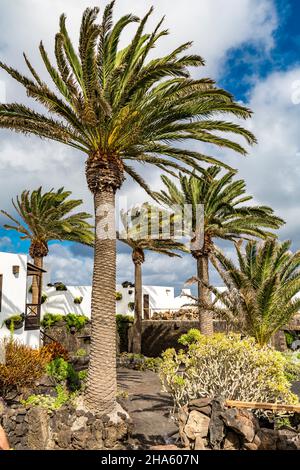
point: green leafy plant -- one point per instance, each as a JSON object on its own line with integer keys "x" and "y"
{"x": 81, "y": 353}
{"x": 82, "y": 375}
{"x": 78, "y": 300}
{"x": 14, "y": 322}
{"x": 226, "y": 366}
{"x": 51, "y": 319}
{"x": 191, "y": 337}
{"x": 62, "y": 371}
{"x": 119, "y": 296}
{"x": 76, "y": 321}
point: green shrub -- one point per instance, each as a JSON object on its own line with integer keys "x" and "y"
{"x": 192, "y": 336}
{"x": 62, "y": 371}
{"x": 139, "y": 362}
{"x": 81, "y": 353}
{"x": 226, "y": 366}
{"x": 119, "y": 296}
{"x": 76, "y": 321}
{"x": 123, "y": 323}
{"x": 50, "y": 319}
{"x": 48, "y": 402}
{"x": 78, "y": 300}
{"x": 82, "y": 375}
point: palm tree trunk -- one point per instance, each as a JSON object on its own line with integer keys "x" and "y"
{"x": 138, "y": 293}
{"x": 204, "y": 296}
{"x": 37, "y": 282}
{"x": 102, "y": 381}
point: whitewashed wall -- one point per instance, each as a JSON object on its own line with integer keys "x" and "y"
{"x": 63, "y": 302}
{"x": 14, "y": 292}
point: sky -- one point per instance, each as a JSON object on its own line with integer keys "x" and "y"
{"x": 251, "y": 48}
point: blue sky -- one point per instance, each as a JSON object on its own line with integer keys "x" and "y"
{"x": 252, "y": 50}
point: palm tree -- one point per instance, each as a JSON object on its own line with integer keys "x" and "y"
{"x": 118, "y": 107}
{"x": 48, "y": 216}
{"x": 144, "y": 230}
{"x": 261, "y": 289}
{"x": 225, "y": 217}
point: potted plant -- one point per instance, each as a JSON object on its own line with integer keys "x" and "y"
{"x": 44, "y": 297}
{"x": 119, "y": 296}
{"x": 78, "y": 300}
{"x": 15, "y": 322}
{"x": 60, "y": 286}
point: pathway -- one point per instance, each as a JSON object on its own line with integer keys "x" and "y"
{"x": 148, "y": 407}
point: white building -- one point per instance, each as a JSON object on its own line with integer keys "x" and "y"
{"x": 155, "y": 299}
{"x": 15, "y": 281}
{"x": 15, "y": 272}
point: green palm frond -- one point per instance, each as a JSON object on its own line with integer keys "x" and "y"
{"x": 50, "y": 216}
{"x": 260, "y": 298}
{"x": 121, "y": 104}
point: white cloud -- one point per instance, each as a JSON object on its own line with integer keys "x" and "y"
{"x": 6, "y": 243}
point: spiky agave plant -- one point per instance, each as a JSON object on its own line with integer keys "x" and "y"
{"x": 47, "y": 216}
{"x": 262, "y": 288}
{"x": 118, "y": 107}
{"x": 226, "y": 217}
{"x": 146, "y": 228}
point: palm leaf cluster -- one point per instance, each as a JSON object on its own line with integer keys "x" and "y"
{"x": 118, "y": 106}
{"x": 49, "y": 216}
{"x": 223, "y": 198}
{"x": 148, "y": 227}
{"x": 262, "y": 289}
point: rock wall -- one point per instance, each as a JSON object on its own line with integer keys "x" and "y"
{"x": 207, "y": 424}
{"x": 159, "y": 335}
{"x": 71, "y": 341}
{"x": 64, "y": 429}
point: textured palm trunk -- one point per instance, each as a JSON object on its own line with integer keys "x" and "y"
{"x": 137, "y": 327}
{"x": 204, "y": 296}
{"x": 102, "y": 382}
{"x": 37, "y": 281}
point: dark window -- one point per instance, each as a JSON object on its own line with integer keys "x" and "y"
{"x": 1, "y": 279}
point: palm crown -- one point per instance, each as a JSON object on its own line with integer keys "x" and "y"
{"x": 49, "y": 216}
{"x": 144, "y": 230}
{"x": 117, "y": 107}
{"x": 223, "y": 198}
{"x": 261, "y": 289}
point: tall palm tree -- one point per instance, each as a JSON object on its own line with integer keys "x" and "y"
{"x": 48, "y": 216}
{"x": 261, "y": 288}
{"x": 118, "y": 107}
{"x": 225, "y": 217}
{"x": 144, "y": 231}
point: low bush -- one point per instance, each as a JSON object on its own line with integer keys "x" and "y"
{"x": 23, "y": 367}
{"x": 55, "y": 350}
{"x": 49, "y": 402}
{"x": 225, "y": 366}
{"x": 139, "y": 362}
